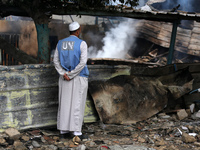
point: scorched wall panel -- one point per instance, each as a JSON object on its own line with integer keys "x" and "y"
{"x": 29, "y": 94}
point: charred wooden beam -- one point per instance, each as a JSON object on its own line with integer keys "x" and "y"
{"x": 116, "y": 61}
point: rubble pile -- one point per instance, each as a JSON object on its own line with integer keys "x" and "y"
{"x": 153, "y": 57}
{"x": 178, "y": 130}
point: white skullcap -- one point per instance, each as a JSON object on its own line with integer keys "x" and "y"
{"x": 74, "y": 26}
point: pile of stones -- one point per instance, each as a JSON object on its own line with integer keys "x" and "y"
{"x": 174, "y": 131}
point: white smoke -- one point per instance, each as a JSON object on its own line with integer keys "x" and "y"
{"x": 117, "y": 41}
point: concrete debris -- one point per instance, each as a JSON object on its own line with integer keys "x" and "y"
{"x": 182, "y": 114}
{"x": 154, "y": 133}
{"x": 35, "y": 144}
{"x": 81, "y": 147}
{"x": 192, "y": 106}
{"x": 19, "y": 146}
{"x": 25, "y": 138}
{"x": 13, "y": 133}
{"x": 187, "y": 138}
{"x": 196, "y": 115}
{"x": 164, "y": 116}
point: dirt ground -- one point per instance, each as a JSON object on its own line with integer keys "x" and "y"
{"x": 160, "y": 132}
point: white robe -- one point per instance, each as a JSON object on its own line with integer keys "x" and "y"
{"x": 72, "y": 94}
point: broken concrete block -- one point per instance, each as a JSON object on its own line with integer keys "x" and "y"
{"x": 19, "y": 145}
{"x": 192, "y": 106}
{"x": 2, "y": 140}
{"x": 13, "y": 133}
{"x": 187, "y": 138}
{"x": 36, "y": 144}
{"x": 197, "y": 144}
{"x": 25, "y": 138}
{"x": 196, "y": 115}
{"x": 140, "y": 139}
{"x": 160, "y": 143}
{"x": 182, "y": 114}
{"x": 163, "y": 115}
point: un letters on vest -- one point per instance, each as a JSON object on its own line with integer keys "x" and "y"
{"x": 68, "y": 45}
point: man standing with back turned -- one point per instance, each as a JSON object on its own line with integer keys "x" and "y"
{"x": 70, "y": 60}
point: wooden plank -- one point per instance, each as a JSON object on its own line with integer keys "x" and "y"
{"x": 154, "y": 24}
{"x": 165, "y": 34}
{"x": 167, "y": 27}
{"x": 196, "y": 24}
{"x": 156, "y": 41}
{"x": 193, "y": 52}
{"x": 196, "y": 30}
{"x": 195, "y": 41}
{"x": 181, "y": 44}
{"x": 184, "y": 32}
{"x": 195, "y": 35}
{"x": 163, "y": 38}
{"x": 162, "y": 35}
{"x": 181, "y": 49}
{"x": 182, "y": 40}
{"x": 146, "y": 33}
{"x": 149, "y": 32}
{"x": 194, "y": 47}
{"x": 179, "y": 36}
{"x": 152, "y": 28}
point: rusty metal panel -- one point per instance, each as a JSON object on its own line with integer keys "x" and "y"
{"x": 105, "y": 72}
{"x": 29, "y": 94}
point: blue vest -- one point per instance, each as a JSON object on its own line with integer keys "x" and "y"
{"x": 69, "y": 54}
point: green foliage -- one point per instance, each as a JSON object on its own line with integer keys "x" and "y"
{"x": 41, "y": 10}
{"x": 56, "y": 4}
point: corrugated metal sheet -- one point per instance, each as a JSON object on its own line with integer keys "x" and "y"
{"x": 28, "y": 94}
